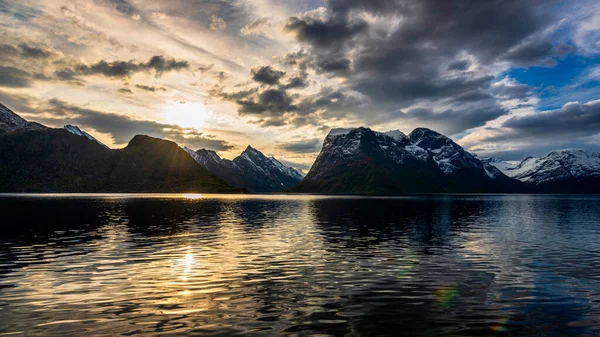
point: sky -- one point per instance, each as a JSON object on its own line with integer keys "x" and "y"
{"x": 502, "y": 78}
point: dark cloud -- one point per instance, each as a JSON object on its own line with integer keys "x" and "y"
{"x": 150, "y": 88}
{"x": 24, "y": 51}
{"x": 409, "y": 65}
{"x": 460, "y": 65}
{"x": 303, "y": 146}
{"x": 533, "y": 52}
{"x": 296, "y": 82}
{"x": 267, "y": 75}
{"x": 339, "y": 66}
{"x": 18, "y": 103}
{"x": 324, "y": 33}
{"x": 35, "y": 52}
{"x": 120, "y": 69}
{"x": 271, "y": 102}
{"x": 125, "y": 91}
{"x": 453, "y": 121}
{"x": 14, "y": 78}
{"x": 573, "y": 119}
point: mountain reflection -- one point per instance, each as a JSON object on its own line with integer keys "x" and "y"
{"x": 458, "y": 265}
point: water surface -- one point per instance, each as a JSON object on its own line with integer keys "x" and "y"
{"x": 157, "y": 265}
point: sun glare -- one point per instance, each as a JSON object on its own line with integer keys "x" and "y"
{"x": 186, "y": 114}
{"x": 193, "y": 196}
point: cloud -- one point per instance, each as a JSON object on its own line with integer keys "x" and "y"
{"x": 296, "y": 82}
{"x": 460, "y": 65}
{"x": 19, "y": 11}
{"x": 510, "y": 89}
{"x": 395, "y": 56}
{"x": 301, "y": 166}
{"x": 574, "y": 125}
{"x": 35, "y": 52}
{"x": 303, "y": 146}
{"x": 273, "y": 102}
{"x": 339, "y": 66}
{"x": 121, "y": 128}
{"x": 324, "y": 33}
{"x": 257, "y": 27}
{"x": 537, "y": 51}
{"x": 14, "y": 78}
{"x": 157, "y": 64}
{"x": 267, "y": 75}
{"x": 217, "y": 23}
{"x": 150, "y": 88}
{"x": 453, "y": 121}
{"x": 573, "y": 119}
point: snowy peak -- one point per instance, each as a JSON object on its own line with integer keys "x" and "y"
{"x": 204, "y": 156}
{"x": 268, "y": 165}
{"x": 10, "y": 121}
{"x": 337, "y": 132}
{"x": 396, "y": 134}
{"x": 361, "y": 160}
{"x": 251, "y": 170}
{"x": 557, "y": 165}
{"x": 429, "y": 139}
{"x": 448, "y": 155}
{"x": 78, "y": 132}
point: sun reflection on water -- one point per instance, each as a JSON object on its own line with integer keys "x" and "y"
{"x": 192, "y": 196}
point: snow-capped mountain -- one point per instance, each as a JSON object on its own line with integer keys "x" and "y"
{"x": 77, "y": 131}
{"x": 566, "y": 171}
{"x": 251, "y": 170}
{"x": 10, "y": 122}
{"x": 365, "y": 161}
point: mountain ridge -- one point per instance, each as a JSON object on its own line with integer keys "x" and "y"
{"x": 558, "y": 171}
{"x": 251, "y": 170}
{"x": 35, "y": 158}
{"x": 364, "y": 161}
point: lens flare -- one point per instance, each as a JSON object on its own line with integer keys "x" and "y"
{"x": 445, "y": 295}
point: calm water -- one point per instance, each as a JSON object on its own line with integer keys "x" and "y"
{"x": 300, "y": 265}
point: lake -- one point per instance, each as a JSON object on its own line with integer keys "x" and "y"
{"x": 461, "y": 265}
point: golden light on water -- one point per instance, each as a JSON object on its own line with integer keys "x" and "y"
{"x": 188, "y": 262}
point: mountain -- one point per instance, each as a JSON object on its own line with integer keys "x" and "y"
{"x": 560, "y": 171}
{"x": 11, "y": 122}
{"x": 365, "y": 161}
{"x": 34, "y": 158}
{"x": 77, "y": 131}
{"x": 251, "y": 170}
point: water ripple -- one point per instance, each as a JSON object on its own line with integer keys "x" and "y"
{"x": 300, "y": 265}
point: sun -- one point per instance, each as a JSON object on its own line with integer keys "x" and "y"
{"x": 187, "y": 114}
